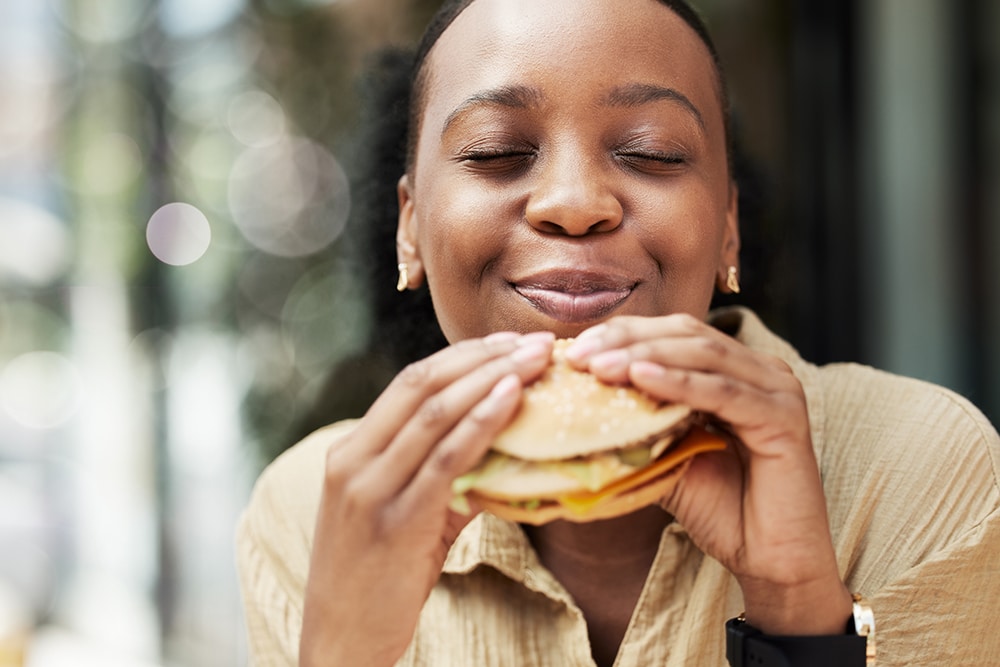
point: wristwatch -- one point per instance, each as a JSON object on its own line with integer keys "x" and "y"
{"x": 746, "y": 646}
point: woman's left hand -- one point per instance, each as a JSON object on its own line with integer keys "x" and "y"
{"x": 757, "y": 507}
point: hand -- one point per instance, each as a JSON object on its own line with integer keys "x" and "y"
{"x": 384, "y": 527}
{"x": 757, "y": 507}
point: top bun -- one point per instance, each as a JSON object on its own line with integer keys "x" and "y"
{"x": 569, "y": 413}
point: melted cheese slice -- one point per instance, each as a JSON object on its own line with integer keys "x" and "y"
{"x": 696, "y": 442}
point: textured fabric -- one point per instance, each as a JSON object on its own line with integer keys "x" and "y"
{"x": 910, "y": 472}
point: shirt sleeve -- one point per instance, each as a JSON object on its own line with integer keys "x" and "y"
{"x": 273, "y": 620}
{"x": 911, "y": 474}
{"x": 273, "y": 546}
{"x": 943, "y": 611}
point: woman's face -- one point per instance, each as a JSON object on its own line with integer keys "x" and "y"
{"x": 570, "y": 166}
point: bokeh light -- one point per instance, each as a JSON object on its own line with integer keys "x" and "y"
{"x": 265, "y": 282}
{"x": 26, "y": 326}
{"x": 40, "y": 389}
{"x": 203, "y": 159}
{"x": 192, "y": 18}
{"x": 27, "y": 104}
{"x": 323, "y": 320}
{"x": 256, "y": 119}
{"x": 34, "y": 244}
{"x": 218, "y": 71}
{"x": 33, "y": 82}
{"x": 144, "y": 354}
{"x": 262, "y": 351}
{"x": 289, "y": 199}
{"x": 111, "y": 162}
{"x": 178, "y": 234}
{"x": 103, "y": 21}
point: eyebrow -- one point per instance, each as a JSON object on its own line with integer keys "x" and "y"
{"x": 526, "y": 97}
{"x": 514, "y": 97}
{"x": 637, "y": 94}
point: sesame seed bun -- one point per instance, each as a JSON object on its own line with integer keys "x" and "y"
{"x": 582, "y": 450}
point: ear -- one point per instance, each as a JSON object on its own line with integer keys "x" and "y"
{"x": 407, "y": 247}
{"x": 730, "y": 251}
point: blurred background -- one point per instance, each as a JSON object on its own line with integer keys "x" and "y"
{"x": 179, "y": 253}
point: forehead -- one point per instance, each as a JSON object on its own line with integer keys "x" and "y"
{"x": 569, "y": 47}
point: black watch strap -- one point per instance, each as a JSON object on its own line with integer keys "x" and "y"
{"x": 746, "y": 646}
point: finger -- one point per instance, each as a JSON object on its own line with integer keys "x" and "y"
{"x": 463, "y": 447}
{"x": 422, "y": 379}
{"x": 625, "y": 331}
{"x": 396, "y": 404}
{"x": 757, "y": 415}
{"x": 677, "y": 340}
{"x": 704, "y": 353}
{"x": 441, "y": 413}
{"x": 712, "y": 484}
{"x": 622, "y": 331}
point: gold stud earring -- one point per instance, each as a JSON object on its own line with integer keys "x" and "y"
{"x": 732, "y": 283}
{"x": 403, "y": 283}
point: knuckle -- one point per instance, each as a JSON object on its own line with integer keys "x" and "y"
{"x": 338, "y": 468}
{"x": 726, "y": 391}
{"x": 359, "y": 497}
{"x": 443, "y": 460}
{"x": 778, "y": 364}
{"x": 642, "y": 350}
{"x": 416, "y": 374}
{"x": 687, "y": 323}
{"x": 432, "y": 412}
{"x": 619, "y": 329}
{"x": 791, "y": 401}
{"x": 712, "y": 347}
{"x": 782, "y": 364}
{"x": 728, "y": 387}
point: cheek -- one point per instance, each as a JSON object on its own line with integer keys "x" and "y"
{"x": 687, "y": 230}
{"x": 684, "y": 237}
{"x": 460, "y": 232}
{"x": 461, "y": 236}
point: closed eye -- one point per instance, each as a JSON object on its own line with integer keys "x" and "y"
{"x": 486, "y": 154}
{"x": 662, "y": 157}
{"x": 652, "y": 160}
{"x": 497, "y": 160}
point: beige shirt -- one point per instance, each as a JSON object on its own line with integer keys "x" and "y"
{"x": 910, "y": 472}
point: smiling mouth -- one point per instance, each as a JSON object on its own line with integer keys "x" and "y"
{"x": 575, "y": 298}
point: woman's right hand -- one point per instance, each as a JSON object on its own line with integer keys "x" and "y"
{"x": 384, "y": 525}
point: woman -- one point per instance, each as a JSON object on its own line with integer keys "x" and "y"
{"x": 568, "y": 175}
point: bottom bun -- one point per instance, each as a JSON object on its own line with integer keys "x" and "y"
{"x": 650, "y": 493}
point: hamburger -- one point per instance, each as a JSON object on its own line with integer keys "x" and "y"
{"x": 582, "y": 450}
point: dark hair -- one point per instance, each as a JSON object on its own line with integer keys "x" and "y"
{"x": 450, "y": 10}
{"x": 405, "y": 327}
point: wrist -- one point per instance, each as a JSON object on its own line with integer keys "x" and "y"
{"x": 812, "y": 608}
{"x": 855, "y": 646}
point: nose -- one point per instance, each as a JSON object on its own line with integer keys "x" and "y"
{"x": 572, "y": 196}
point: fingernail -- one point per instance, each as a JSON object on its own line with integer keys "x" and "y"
{"x": 501, "y": 337}
{"x": 545, "y": 337}
{"x": 580, "y": 349}
{"x": 531, "y": 351}
{"x": 593, "y": 332}
{"x": 647, "y": 370}
{"x": 501, "y": 393}
{"x": 609, "y": 362}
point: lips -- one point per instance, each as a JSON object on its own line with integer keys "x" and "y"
{"x": 575, "y": 296}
